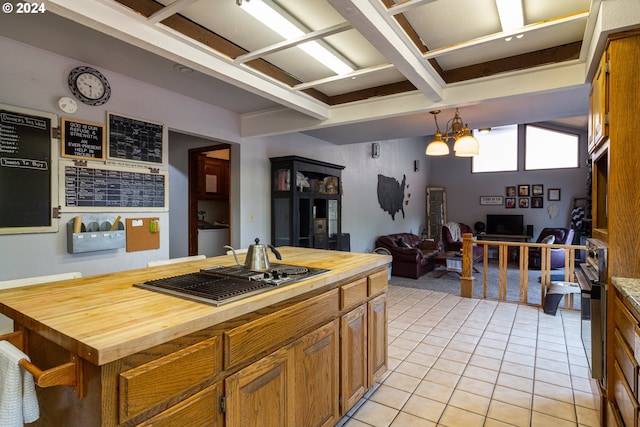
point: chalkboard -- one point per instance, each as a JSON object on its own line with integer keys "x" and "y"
{"x": 82, "y": 140}
{"x": 135, "y": 139}
{"x": 113, "y": 188}
{"x": 26, "y": 168}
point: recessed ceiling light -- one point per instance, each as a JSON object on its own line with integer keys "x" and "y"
{"x": 511, "y": 16}
{"x": 287, "y": 29}
{"x": 183, "y": 69}
{"x": 508, "y": 39}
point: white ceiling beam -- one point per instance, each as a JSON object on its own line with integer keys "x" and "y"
{"x": 497, "y": 36}
{"x": 372, "y": 21}
{"x": 407, "y": 5}
{"x": 508, "y": 85}
{"x": 357, "y": 73}
{"x": 169, "y": 10}
{"x": 119, "y": 22}
{"x": 286, "y": 44}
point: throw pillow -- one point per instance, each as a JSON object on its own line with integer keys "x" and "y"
{"x": 549, "y": 240}
{"x": 400, "y": 242}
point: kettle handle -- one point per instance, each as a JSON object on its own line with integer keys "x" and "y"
{"x": 275, "y": 252}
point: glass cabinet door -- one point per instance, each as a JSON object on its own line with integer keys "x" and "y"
{"x": 282, "y": 221}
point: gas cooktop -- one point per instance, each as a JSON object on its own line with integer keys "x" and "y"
{"x": 219, "y": 285}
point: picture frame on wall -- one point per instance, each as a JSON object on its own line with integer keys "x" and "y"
{"x": 510, "y": 191}
{"x": 553, "y": 194}
{"x": 536, "y": 202}
{"x": 523, "y": 202}
{"x": 510, "y": 202}
{"x": 523, "y": 190}
{"x": 537, "y": 190}
{"x": 490, "y": 200}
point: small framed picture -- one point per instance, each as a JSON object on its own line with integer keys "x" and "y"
{"x": 523, "y": 190}
{"x": 553, "y": 194}
{"x": 511, "y": 191}
{"x": 523, "y": 202}
{"x": 536, "y": 202}
{"x": 537, "y": 190}
{"x": 510, "y": 202}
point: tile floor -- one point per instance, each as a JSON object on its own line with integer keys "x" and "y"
{"x": 470, "y": 362}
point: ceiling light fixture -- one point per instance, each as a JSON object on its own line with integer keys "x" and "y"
{"x": 511, "y": 15}
{"x": 287, "y": 29}
{"x": 465, "y": 144}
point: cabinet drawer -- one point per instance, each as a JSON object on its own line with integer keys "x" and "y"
{"x": 274, "y": 330}
{"x": 626, "y": 402}
{"x": 625, "y": 322}
{"x": 378, "y": 282}
{"x": 200, "y": 410}
{"x": 145, "y": 386}
{"x": 627, "y": 362}
{"x": 353, "y": 294}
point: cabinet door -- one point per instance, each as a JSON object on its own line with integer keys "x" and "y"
{"x": 260, "y": 394}
{"x": 316, "y": 378}
{"x": 377, "y": 318}
{"x": 599, "y": 127}
{"x": 216, "y": 179}
{"x": 200, "y": 409}
{"x": 353, "y": 357}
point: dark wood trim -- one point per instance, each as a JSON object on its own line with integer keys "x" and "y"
{"x": 552, "y": 55}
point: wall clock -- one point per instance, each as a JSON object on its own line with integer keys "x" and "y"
{"x": 89, "y": 85}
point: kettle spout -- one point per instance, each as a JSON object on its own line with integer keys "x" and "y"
{"x": 234, "y": 253}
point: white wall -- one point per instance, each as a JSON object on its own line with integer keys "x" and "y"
{"x": 34, "y": 78}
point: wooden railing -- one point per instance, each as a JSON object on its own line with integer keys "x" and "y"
{"x": 511, "y": 251}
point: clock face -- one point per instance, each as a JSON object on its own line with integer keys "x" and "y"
{"x": 89, "y": 85}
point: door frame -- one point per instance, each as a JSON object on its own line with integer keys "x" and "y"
{"x": 193, "y": 192}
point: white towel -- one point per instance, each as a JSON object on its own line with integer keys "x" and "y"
{"x": 18, "y": 400}
{"x": 454, "y": 229}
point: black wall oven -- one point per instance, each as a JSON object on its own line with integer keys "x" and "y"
{"x": 592, "y": 278}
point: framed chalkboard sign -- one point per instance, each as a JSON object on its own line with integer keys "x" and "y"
{"x": 82, "y": 140}
{"x": 28, "y": 163}
{"x": 135, "y": 139}
{"x": 112, "y": 188}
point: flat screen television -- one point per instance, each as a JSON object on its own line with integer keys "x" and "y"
{"x": 505, "y": 224}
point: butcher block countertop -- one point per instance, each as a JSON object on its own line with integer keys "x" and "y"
{"x": 105, "y": 318}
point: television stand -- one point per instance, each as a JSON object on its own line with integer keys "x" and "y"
{"x": 507, "y": 237}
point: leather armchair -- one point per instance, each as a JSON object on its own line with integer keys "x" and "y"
{"x": 447, "y": 240}
{"x": 450, "y": 244}
{"x": 562, "y": 236}
{"x": 412, "y": 261}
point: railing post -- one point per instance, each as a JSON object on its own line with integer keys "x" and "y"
{"x": 466, "y": 279}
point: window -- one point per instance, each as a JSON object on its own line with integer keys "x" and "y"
{"x": 550, "y": 149}
{"x": 498, "y": 150}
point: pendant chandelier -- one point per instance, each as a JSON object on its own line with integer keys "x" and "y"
{"x": 465, "y": 144}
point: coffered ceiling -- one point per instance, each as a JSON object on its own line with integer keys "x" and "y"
{"x": 408, "y": 57}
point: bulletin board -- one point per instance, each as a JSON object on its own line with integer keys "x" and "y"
{"x": 142, "y": 234}
{"x": 28, "y": 166}
{"x": 110, "y": 188}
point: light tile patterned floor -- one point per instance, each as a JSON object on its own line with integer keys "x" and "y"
{"x": 470, "y": 362}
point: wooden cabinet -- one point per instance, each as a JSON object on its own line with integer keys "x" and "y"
{"x": 199, "y": 410}
{"x": 259, "y": 394}
{"x": 624, "y": 374}
{"x": 294, "y": 386}
{"x": 598, "y": 98}
{"x": 306, "y": 204}
{"x": 353, "y": 357}
{"x": 213, "y": 178}
{"x": 377, "y": 339}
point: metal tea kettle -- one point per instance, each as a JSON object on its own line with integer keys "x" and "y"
{"x": 257, "y": 258}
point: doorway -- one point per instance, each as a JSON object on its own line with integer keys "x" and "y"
{"x": 209, "y": 209}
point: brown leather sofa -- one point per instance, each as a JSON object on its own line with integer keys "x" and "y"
{"x": 412, "y": 257}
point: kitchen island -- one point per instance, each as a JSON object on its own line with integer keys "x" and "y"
{"x": 296, "y": 355}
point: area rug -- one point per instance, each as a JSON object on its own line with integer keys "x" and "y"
{"x": 450, "y": 283}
